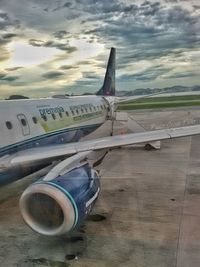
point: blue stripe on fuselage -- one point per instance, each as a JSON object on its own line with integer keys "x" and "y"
{"x": 66, "y": 135}
{"x": 58, "y": 137}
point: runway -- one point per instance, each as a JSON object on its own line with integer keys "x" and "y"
{"x": 147, "y": 215}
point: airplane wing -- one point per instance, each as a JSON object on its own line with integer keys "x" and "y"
{"x": 55, "y": 151}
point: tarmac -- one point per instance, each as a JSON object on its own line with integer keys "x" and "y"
{"x": 147, "y": 215}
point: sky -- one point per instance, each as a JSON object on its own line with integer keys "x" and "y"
{"x": 52, "y": 47}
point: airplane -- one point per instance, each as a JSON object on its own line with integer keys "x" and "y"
{"x": 36, "y": 132}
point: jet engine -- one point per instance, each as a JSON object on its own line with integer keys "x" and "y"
{"x": 57, "y": 206}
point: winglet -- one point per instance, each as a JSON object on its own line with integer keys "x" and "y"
{"x": 108, "y": 88}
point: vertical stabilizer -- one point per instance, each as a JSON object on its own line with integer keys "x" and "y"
{"x": 108, "y": 88}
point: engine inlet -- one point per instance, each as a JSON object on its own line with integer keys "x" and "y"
{"x": 47, "y": 210}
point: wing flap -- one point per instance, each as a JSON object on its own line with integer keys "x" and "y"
{"x": 51, "y": 152}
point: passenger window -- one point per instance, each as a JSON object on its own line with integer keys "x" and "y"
{"x": 9, "y": 125}
{"x": 53, "y": 116}
{"x": 72, "y": 112}
{"x": 34, "y": 120}
{"x": 44, "y": 117}
{"x": 60, "y": 114}
{"x": 23, "y": 122}
{"x": 67, "y": 114}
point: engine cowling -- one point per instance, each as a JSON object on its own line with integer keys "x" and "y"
{"x": 58, "y": 206}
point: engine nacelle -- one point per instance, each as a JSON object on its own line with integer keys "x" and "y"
{"x": 58, "y": 206}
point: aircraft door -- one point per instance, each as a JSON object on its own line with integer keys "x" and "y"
{"x": 24, "y": 124}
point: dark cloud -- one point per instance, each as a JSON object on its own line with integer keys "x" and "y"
{"x": 9, "y": 35}
{"x": 65, "y": 5}
{"x": 90, "y": 75}
{"x": 74, "y": 14}
{"x": 5, "y": 77}
{"x": 146, "y": 75}
{"x": 84, "y": 62}
{"x": 10, "y": 78}
{"x": 62, "y": 46}
{"x": 60, "y": 34}
{"x": 171, "y": 1}
{"x": 6, "y": 38}
{"x": 67, "y": 67}
{"x": 53, "y": 74}
{"x": 2, "y": 75}
{"x": 6, "y": 21}
{"x": 13, "y": 69}
{"x": 150, "y": 9}
{"x": 177, "y": 17}
{"x": 102, "y": 7}
{"x": 196, "y": 7}
{"x": 151, "y": 31}
{"x": 181, "y": 75}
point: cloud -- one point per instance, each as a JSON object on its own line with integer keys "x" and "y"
{"x": 9, "y": 35}
{"x": 14, "y": 68}
{"x": 152, "y": 30}
{"x": 67, "y": 67}
{"x": 6, "y": 38}
{"x": 65, "y": 5}
{"x": 8, "y": 78}
{"x": 2, "y": 75}
{"x": 153, "y": 40}
{"x": 6, "y": 21}
{"x": 60, "y": 34}
{"x": 196, "y": 7}
{"x": 53, "y": 74}
{"x": 61, "y": 46}
{"x": 181, "y": 75}
{"x": 148, "y": 74}
{"x": 90, "y": 75}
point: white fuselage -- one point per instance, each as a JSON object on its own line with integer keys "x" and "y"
{"x": 30, "y": 123}
{"x": 22, "y": 120}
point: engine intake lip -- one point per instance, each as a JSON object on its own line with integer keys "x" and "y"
{"x": 41, "y": 194}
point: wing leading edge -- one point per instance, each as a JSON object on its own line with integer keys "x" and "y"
{"x": 52, "y": 152}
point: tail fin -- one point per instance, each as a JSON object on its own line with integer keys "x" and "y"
{"x": 108, "y": 88}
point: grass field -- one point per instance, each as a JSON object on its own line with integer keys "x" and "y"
{"x": 161, "y": 102}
